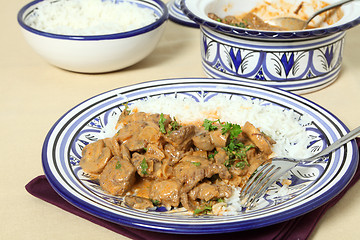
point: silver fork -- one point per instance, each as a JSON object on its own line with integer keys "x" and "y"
{"x": 270, "y": 172}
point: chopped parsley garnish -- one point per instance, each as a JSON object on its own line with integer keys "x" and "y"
{"x": 236, "y": 152}
{"x": 233, "y": 129}
{"x": 213, "y": 154}
{"x": 175, "y": 125}
{"x": 155, "y": 202}
{"x": 196, "y": 163}
{"x": 118, "y": 165}
{"x": 235, "y": 149}
{"x": 240, "y": 165}
{"x": 127, "y": 108}
{"x": 144, "y": 166}
{"x": 162, "y": 123}
{"x": 203, "y": 210}
{"x": 208, "y": 125}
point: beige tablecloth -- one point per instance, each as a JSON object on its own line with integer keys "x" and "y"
{"x": 34, "y": 94}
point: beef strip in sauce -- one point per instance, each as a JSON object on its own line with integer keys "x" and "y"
{"x": 153, "y": 160}
{"x": 118, "y": 176}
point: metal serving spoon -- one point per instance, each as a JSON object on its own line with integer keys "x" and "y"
{"x": 291, "y": 23}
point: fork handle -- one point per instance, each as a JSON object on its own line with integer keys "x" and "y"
{"x": 338, "y": 143}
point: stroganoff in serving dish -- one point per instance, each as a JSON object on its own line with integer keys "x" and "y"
{"x": 258, "y": 18}
{"x": 154, "y": 160}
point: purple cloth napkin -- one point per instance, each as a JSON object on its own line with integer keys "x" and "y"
{"x": 298, "y": 228}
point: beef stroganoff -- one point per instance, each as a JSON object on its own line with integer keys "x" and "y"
{"x": 199, "y": 163}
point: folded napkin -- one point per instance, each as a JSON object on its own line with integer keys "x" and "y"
{"x": 298, "y": 228}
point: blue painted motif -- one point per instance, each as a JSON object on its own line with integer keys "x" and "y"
{"x": 236, "y": 58}
{"x": 329, "y": 55}
{"x": 74, "y": 160}
{"x": 287, "y": 63}
{"x": 96, "y": 123}
{"x": 260, "y": 75}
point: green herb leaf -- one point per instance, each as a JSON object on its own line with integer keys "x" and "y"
{"x": 236, "y": 152}
{"x": 155, "y": 202}
{"x": 162, "y": 123}
{"x": 203, "y": 210}
{"x": 144, "y": 166}
{"x": 196, "y": 163}
{"x": 127, "y": 108}
{"x": 208, "y": 125}
{"x": 174, "y": 125}
{"x": 233, "y": 129}
{"x": 118, "y": 165}
{"x": 240, "y": 165}
{"x": 213, "y": 154}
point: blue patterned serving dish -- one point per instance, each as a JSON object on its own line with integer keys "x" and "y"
{"x": 299, "y": 61}
{"x": 311, "y": 186}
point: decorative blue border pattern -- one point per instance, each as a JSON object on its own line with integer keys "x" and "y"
{"x": 298, "y": 68}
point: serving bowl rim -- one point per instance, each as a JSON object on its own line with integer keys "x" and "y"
{"x": 265, "y": 34}
{"x": 132, "y": 33}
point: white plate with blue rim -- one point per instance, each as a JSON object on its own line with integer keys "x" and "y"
{"x": 82, "y": 125}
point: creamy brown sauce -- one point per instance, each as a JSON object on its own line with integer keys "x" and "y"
{"x": 153, "y": 160}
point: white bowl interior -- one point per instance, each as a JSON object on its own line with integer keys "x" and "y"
{"x": 223, "y": 8}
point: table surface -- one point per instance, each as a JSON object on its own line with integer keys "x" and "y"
{"x": 34, "y": 94}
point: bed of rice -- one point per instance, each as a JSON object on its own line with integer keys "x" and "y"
{"x": 89, "y": 17}
{"x": 284, "y": 126}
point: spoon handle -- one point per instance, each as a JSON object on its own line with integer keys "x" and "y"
{"x": 341, "y": 141}
{"x": 337, "y": 4}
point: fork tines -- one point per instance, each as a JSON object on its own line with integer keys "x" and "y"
{"x": 257, "y": 185}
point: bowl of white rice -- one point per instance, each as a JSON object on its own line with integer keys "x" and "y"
{"x": 93, "y": 36}
{"x": 300, "y": 61}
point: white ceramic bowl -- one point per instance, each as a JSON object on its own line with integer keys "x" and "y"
{"x": 96, "y": 53}
{"x": 298, "y": 61}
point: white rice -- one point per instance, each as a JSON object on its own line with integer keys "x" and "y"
{"x": 89, "y": 17}
{"x": 284, "y": 126}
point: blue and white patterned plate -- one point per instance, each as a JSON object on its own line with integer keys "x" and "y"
{"x": 311, "y": 186}
{"x": 176, "y": 14}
